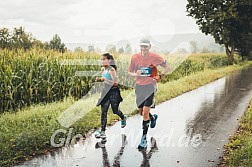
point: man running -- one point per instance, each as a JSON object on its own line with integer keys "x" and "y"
{"x": 143, "y": 66}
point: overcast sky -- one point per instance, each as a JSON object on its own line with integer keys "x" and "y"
{"x": 97, "y": 20}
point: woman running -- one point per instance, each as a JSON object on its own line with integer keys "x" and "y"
{"x": 110, "y": 95}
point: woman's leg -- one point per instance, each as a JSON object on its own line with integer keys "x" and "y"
{"x": 114, "y": 96}
{"x": 104, "y": 110}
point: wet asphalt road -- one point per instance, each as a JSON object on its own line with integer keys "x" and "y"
{"x": 191, "y": 131}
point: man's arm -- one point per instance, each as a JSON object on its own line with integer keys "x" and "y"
{"x": 135, "y": 74}
{"x": 160, "y": 61}
{"x": 165, "y": 70}
{"x": 132, "y": 69}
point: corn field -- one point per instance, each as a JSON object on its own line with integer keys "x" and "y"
{"x": 37, "y": 76}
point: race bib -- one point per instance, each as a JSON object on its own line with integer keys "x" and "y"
{"x": 146, "y": 71}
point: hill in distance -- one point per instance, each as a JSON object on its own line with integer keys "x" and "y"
{"x": 159, "y": 43}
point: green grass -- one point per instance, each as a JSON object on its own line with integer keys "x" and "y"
{"x": 27, "y": 132}
{"x": 238, "y": 152}
{"x": 174, "y": 88}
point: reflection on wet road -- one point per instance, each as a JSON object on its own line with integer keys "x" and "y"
{"x": 190, "y": 132}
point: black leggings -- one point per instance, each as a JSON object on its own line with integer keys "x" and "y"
{"x": 112, "y": 99}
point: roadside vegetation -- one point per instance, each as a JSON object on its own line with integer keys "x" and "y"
{"x": 26, "y": 131}
{"x": 238, "y": 152}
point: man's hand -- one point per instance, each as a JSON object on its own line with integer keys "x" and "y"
{"x": 157, "y": 78}
{"x": 161, "y": 75}
{"x": 138, "y": 73}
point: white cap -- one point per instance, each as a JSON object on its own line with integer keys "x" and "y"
{"x": 144, "y": 41}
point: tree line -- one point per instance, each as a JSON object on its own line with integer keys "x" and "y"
{"x": 228, "y": 21}
{"x": 19, "y": 39}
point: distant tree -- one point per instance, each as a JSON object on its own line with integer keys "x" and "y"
{"x": 5, "y": 38}
{"x": 194, "y": 46}
{"x": 181, "y": 50}
{"x": 166, "y": 52}
{"x": 46, "y": 45}
{"x": 78, "y": 49}
{"x": 91, "y": 48}
{"x": 128, "y": 49}
{"x": 21, "y": 39}
{"x": 205, "y": 50}
{"x": 111, "y": 48}
{"x": 120, "y": 50}
{"x": 56, "y": 44}
{"x": 37, "y": 44}
{"x": 97, "y": 50}
{"x": 213, "y": 51}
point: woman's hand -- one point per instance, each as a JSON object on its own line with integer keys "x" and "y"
{"x": 99, "y": 79}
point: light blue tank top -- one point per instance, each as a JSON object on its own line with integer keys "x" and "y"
{"x": 106, "y": 74}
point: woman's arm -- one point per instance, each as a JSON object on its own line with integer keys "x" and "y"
{"x": 114, "y": 77}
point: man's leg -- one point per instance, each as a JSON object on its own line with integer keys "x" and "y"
{"x": 141, "y": 113}
{"x": 146, "y": 113}
{"x": 152, "y": 118}
{"x": 146, "y": 119}
{"x": 144, "y": 110}
{"x": 145, "y": 125}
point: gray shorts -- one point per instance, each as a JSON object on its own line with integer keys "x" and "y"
{"x": 144, "y": 95}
